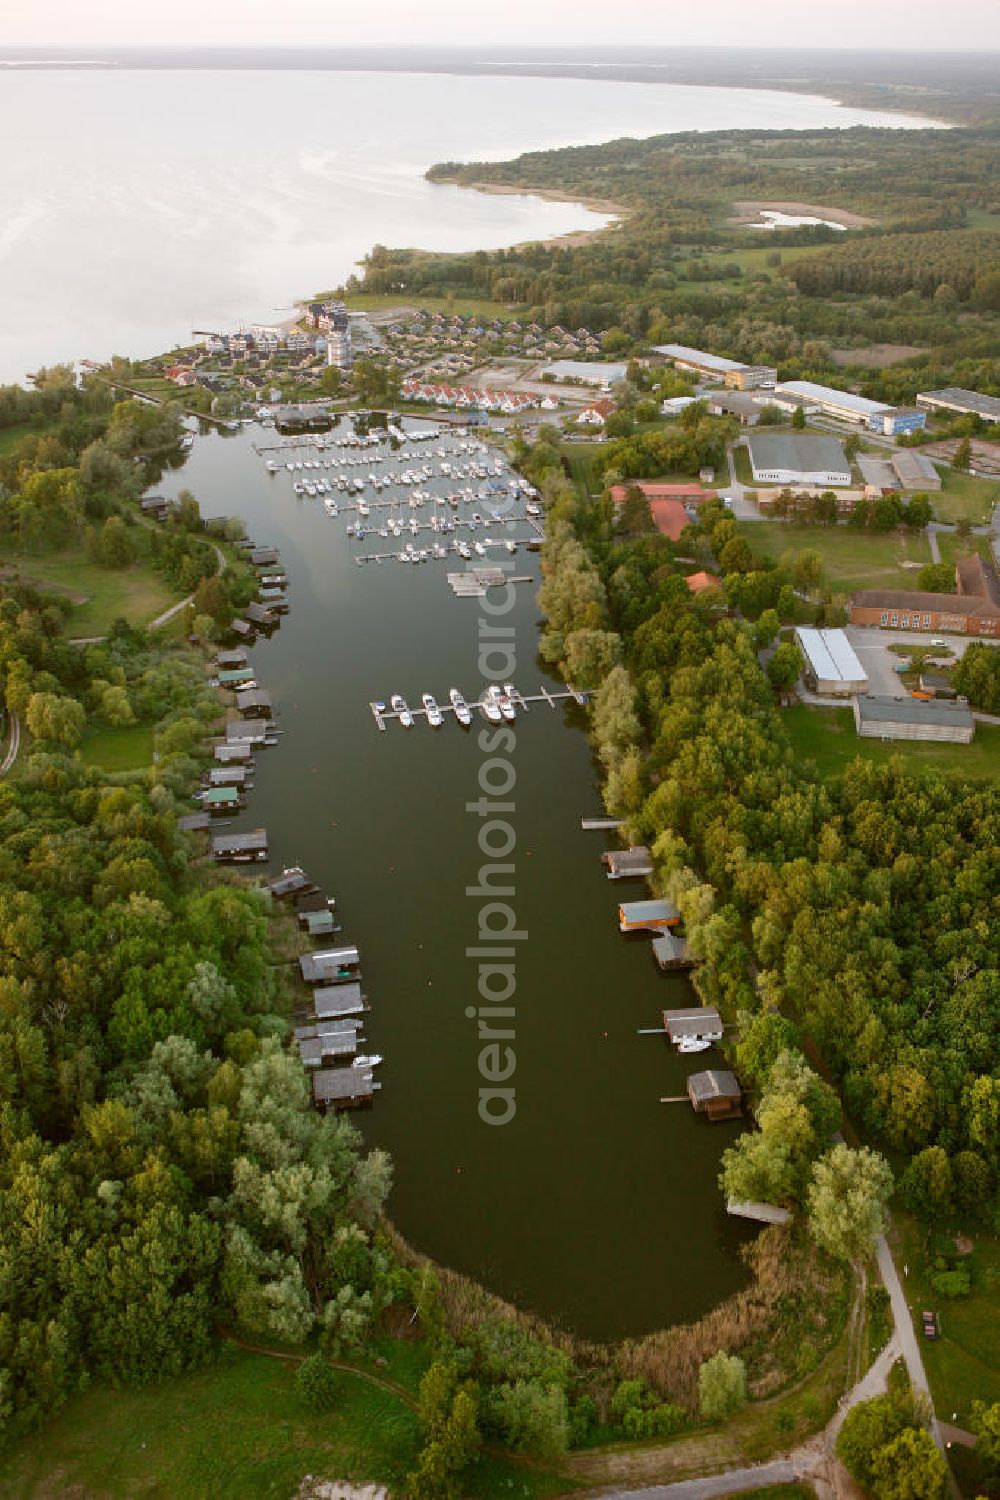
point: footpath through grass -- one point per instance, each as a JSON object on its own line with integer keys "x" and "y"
{"x": 98, "y": 595}
{"x": 827, "y": 737}
{"x": 852, "y": 559}
{"x": 236, "y": 1431}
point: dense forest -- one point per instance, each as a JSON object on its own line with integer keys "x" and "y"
{"x": 858, "y": 913}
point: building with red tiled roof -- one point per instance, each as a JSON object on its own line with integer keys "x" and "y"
{"x": 689, "y": 493}
{"x": 973, "y": 609}
{"x": 700, "y": 583}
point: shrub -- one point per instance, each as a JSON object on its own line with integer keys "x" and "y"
{"x": 722, "y": 1386}
{"x": 952, "y": 1283}
{"x": 316, "y": 1384}
{"x": 530, "y": 1417}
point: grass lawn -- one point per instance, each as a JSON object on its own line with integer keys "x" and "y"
{"x": 827, "y": 737}
{"x": 100, "y": 595}
{"x": 741, "y": 463}
{"x": 129, "y": 749}
{"x": 11, "y": 436}
{"x": 581, "y": 458}
{"x": 480, "y": 307}
{"x": 234, "y": 1432}
{"x": 963, "y": 497}
{"x": 952, "y": 546}
{"x": 963, "y": 1365}
{"x": 852, "y": 559}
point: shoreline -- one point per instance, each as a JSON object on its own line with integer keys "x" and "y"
{"x": 572, "y": 237}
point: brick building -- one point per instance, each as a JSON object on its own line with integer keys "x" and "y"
{"x": 973, "y": 609}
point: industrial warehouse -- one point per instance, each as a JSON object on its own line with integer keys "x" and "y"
{"x": 913, "y": 719}
{"x": 798, "y": 459}
{"x": 831, "y": 663}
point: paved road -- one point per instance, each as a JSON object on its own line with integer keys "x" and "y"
{"x": 14, "y": 744}
{"x": 905, "y": 1332}
{"x": 781, "y": 1471}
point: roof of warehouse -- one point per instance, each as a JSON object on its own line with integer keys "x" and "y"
{"x": 913, "y": 711}
{"x": 846, "y": 399}
{"x": 808, "y": 453}
{"x": 986, "y": 406}
{"x": 698, "y": 357}
{"x": 831, "y": 655}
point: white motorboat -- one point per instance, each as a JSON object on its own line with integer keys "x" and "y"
{"x": 693, "y": 1044}
{"x": 367, "y": 1060}
{"x": 399, "y": 706}
{"x": 491, "y": 710}
{"x": 434, "y": 715}
{"x": 460, "y": 706}
{"x": 503, "y": 703}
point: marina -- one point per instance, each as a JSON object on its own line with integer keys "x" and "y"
{"x": 394, "y": 841}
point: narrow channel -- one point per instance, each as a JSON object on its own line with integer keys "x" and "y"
{"x": 597, "y": 1206}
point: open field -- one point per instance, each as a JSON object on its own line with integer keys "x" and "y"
{"x": 129, "y": 749}
{"x": 876, "y": 356}
{"x": 827, "y": 737}
{"x": 235, "y": 1432}
{"x": 375, "y": 302}
{"x": 852, "y": 559}
{"x": 99, "y": 595}
{"x": 964, "y": 498}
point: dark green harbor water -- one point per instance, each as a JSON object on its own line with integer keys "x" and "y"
{"x": 596, "y": 1206}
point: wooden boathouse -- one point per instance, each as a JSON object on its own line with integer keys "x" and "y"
{"x": 259, "y": 617}
{"x": 343, "y": 1088}
{"x": 255, "y": 702}
{"x": 223, "y": 799}
{"x": 671, "y": 952}
{"x": 247, "y": 731}
{"x": 335, "y": 1002}
{"x": 235, "y": 754}
{"x": 627, "y": 864}
{"x": 326, "y": 1041}
{"x": 240, "y": 848}
{"x": 196, "y": 822}
{"x": 228, "y": 776}
{"x": 227, "y": 661}
{"x": 291, "y": 882}
{"x": 700, "y": 1023}
{"x": 715, "y": 1094}
{"x": 639, "y": 916}
{"x": 330, "y": 966}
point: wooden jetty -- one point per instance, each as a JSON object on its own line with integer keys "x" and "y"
{"x": 601, "y": 825}
{"x": 381, "y": 714}
{"x": 762, "y": 1213}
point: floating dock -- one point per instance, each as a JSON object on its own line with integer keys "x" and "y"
{"x": 381, "y": 714}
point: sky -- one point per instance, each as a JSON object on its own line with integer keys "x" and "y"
{"x": 925, "y": 24}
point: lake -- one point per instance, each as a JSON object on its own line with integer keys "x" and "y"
{"x": 139, "y": 206}
{"x": 597, "y": 1205}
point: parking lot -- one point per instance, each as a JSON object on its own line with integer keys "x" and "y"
{"x": 872, "y": 647}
